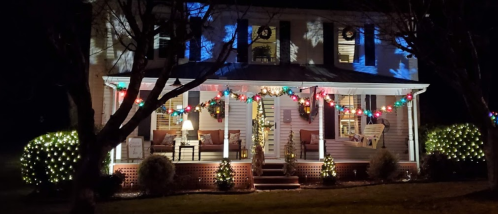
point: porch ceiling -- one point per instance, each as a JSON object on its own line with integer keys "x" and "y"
{"x": 250, "y": 78}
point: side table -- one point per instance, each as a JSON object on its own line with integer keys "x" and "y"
{"x": 185, "y": 146}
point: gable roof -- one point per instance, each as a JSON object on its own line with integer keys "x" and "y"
{"x": 262, "y": 72}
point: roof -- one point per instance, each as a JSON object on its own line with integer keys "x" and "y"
{"x": 287, "y": 73}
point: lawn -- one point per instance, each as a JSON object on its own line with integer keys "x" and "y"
{"x": 392, "y": 198}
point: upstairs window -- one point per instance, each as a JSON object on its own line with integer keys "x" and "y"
{"x": 164, "y": 39}
{"x": 347, "y": 42}
{"x": 264, "y": 49}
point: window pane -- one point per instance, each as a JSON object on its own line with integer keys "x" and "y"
{"x": 349, "y": 123}
{"x": 264, "y": 50}
{"x": 168, "y": 122}
{"x": 345, "y": 48}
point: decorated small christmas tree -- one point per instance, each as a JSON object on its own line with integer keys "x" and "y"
{"x": 328, "y": 173}
{"x": 258, "y": 159}
{"x": 290, "y": 158}
{"x": 225, "y": 175}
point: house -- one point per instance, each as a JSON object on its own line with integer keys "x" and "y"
{"x": 338, "y": 52}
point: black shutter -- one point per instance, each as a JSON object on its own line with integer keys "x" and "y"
{"x": 285, "y": 31}
{"x": 357, "y": 40}
{"x": 242, "y": 36}
{"x": 195, "y": 42}
{"x": 329, "y": 120}
{"x": 371, "y": 105}
{"x": 150, "y": 50}
{"x": 369, "y": 45}
{"x": 328, "y": 44}
{"x": 144, "y": 125}
{"x": 193, "y": 100}
{"x": 163, "y": 44}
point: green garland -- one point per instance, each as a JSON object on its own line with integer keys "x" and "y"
{"x": 303, "y": 114}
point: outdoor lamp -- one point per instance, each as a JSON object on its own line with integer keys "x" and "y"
{"x": 176, "y": 83}
{"x": 244, "y": 153}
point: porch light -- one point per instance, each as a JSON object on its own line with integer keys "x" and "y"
{"x": 177, "y": 83}
{"x": 307, "y": 109}
{"x": 243, "y": 154}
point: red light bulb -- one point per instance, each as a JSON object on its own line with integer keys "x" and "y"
{"x": 409, "y": 97}
{"x": 389, "y": 108}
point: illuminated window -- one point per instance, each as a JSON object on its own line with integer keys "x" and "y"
{"x": 165, "y": 121}
{"x": 264, "y": 49}
{"x": 349, "y": 122}
{"x": 347, "y": 48}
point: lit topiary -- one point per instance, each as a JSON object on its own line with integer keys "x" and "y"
{"x": 328, "y": 173}
{"x": 50, "y": 158}
{"x": 225, "y": 175}
{"x": 460, "y": 142}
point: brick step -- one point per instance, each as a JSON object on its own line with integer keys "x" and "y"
{"x": 273, "y": 172}
{"x": 273, "y": 166}
{"x": 276, "y": 186}
{"x": 276, "y": 179}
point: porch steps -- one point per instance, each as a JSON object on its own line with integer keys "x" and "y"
{"x": 273, "y": 178}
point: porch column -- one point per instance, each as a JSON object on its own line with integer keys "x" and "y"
{"x": 411, "y": 143}
{"x": 321, "y": 142}
{"x": 225, "y": 141}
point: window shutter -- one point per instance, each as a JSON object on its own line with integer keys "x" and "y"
{"x": 150, "y": 50}
{"x": 369, "y": 45}
{"x": 144, "y": 125}
{"x": 163, "y": 44}
{"x": 242, "y": 35}
{"x": 329, "y": 122}
{"x": 195, "y": 42}
{"x": 357, "y": 40}
{"x": 285, "y": 31}
{"x": 328, "y": 44}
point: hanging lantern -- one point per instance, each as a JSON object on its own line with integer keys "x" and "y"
{"x": 307, "y": 109}
{"x": 217, "y": 110}
{"x": 243, "y": 153}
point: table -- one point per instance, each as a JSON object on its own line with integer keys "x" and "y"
{"x": 185, "y": 146}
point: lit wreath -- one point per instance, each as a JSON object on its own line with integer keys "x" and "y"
{"x": 264, "y": 32}
{"x": 302, "y": 112}
{"x": 212, "y": 109}
{"x": 348, "y": 33}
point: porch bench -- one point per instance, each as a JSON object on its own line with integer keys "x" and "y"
{"x": 370, "y": 137}
{"x": 306, "y": 146}
{"x": 157, "y": 139}
{"x": 218, "y": 136}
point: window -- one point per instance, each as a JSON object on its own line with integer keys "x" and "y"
{"x": 347, "y": 49}
{"x": 163, "y": 44}
{"x": 264, "y": 49}
{"x": 165, "y": 121}
{"x": 349, "y": 122}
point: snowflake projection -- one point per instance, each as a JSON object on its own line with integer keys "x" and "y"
{"x": 403, "y": 43}
{"x": 403, "y": 72}
{"x": 311, "y": 62}
{"x": 230, "y": 30}
{"x": 361, "y": 67}
{"x": 120, "y": 27}
{"x": 124, "y": 63}
{"x": 197, "y": 9}
{"x": 206, "y": 49}
{"x": 314, "y": 32}
{"x": 293, "y": 51}
{"x": 94, "y": 52}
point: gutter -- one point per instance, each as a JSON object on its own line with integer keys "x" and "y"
{"x": 415, "y": 121}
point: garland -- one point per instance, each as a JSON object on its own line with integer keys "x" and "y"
{"x": 217, "y": 110}
{"x": 262, "y": 29}
{"x": 302, "y": 112}
{"x": 348, "y": 33}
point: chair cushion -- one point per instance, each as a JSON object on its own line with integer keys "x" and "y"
{"x": 305, "y": 135}
{"x": 158, "y": 135}
{"x": 215, "y": 136}
{"x": 314, "y": 139}
{"x": 312, "y": 147}
{"x": 168, "y": 139}
{"x": 162, "y": 148}
{"x": 206, "y": 139}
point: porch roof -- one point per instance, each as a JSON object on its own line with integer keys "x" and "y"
{"x": 285, "y": 73}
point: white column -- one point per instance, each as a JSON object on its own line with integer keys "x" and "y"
{"x": 249, "y": 127}
{"x": 411, "y": 143}
{"x": 321, "y": 142}
{"x": 225, "y": 141}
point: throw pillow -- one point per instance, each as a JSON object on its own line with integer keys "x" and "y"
{"x": 234, "y": 138}
{"x": 314, "y": 139}
{"x": 168, "y": 139}
{"x": 206, "y": 139}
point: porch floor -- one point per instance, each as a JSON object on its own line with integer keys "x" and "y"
{"x": 272, "y": 160}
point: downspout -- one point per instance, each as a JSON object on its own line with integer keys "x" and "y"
{"x": 115, "y": 96}
{"x": 415, "y": 121}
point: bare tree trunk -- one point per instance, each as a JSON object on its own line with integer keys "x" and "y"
{"x": 491, "y": 152}
{"x": 85, "y": 182}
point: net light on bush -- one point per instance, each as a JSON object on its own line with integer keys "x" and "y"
{"x": 460, "y": 141}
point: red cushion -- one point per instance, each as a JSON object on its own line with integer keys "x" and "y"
{"x": 312, "y": 147}
{"x": 305, "y": 135}
{"x": 218, "y": 148}
{"x": 158, "y": 135}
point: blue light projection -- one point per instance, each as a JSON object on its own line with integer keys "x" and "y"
{"x": 197, "y": 9}
{"x": 360, "y": 65}
{"x": 230, "y": 30}
{"x": 206, "y": 49}
{"x": 402, "y": 72}
{"x": 403, "y": 43}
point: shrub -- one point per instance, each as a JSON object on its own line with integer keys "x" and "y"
{"x": 48, "y": 161}
{"x": 437, "y": 167}
{"x": 110, "y": 184}
{"x": 155, "y": 174}
{"x": 383, "y": 166}
{"x": 225, "y": 175}
{"x": 328, "y": 173}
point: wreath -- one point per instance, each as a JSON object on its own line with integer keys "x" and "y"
{"x": 348, "y": 33}
{"x": 219, "y": 104}
{"x": 264, "y": 32}
{"x": 303, "y": 114}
